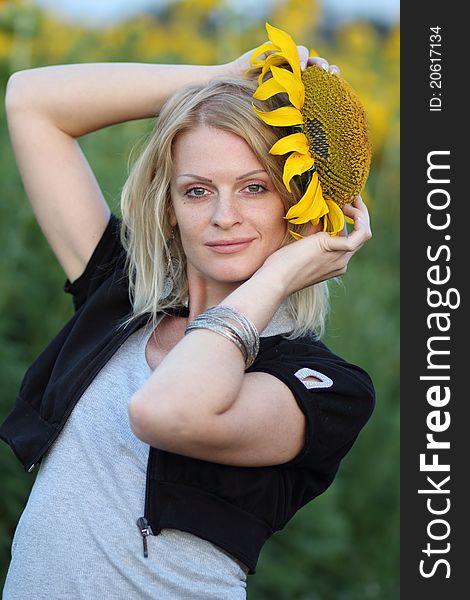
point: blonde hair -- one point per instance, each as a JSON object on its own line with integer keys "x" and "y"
{"x": 153, "y": 248}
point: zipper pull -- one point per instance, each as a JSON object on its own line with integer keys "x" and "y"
{"x": 144, "y": 528}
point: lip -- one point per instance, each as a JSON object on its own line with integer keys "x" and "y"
{"x": 229, "y": 246}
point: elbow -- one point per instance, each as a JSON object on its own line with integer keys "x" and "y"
{"x": 15, "y": 93}
{"x": 157, "y": 423}
{"x": 25, "y": 89}
{"x": 137, "y": 417}
{"x": 145, "y": 418}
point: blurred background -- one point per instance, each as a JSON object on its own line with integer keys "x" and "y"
{"x": 344, "y": 545}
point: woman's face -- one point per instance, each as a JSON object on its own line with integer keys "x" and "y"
{"x": 229, "y": 214}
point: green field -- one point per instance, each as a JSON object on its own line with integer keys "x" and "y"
{"x": 344, "y": 545}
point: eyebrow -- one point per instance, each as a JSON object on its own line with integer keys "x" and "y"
{"x": 200, "y": 178}
{"x": 250, "y": 173}
{"x": 195, "y": 177}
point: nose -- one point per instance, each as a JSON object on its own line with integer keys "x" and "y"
{"x": 226, "y": 212}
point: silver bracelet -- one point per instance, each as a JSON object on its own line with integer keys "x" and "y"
{"x": 222, "y": 330}
{"x": 233, "y": 325}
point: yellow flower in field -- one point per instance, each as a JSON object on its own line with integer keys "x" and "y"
{"x": 329, "y": 147}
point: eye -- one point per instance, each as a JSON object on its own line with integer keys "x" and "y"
{"x": 196, "y": 192}
{"x": 255, "y": 188}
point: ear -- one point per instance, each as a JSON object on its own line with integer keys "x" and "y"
{"x": 314, "y": 228}
{"x": 309, "y": 229}
{"x": 172, "y": 215}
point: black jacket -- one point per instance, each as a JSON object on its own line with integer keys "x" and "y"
{"x": 237, "y": 508}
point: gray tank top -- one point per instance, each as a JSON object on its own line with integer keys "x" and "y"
{"x": 78, "y": 538}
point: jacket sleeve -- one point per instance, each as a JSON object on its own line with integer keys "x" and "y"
{"x": 336, "y": 397}
{"x": 107, "y": 256}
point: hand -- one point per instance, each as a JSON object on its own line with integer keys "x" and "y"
{"x": 240, "y": 65}
{"x": 323, "y": 63}
{"x": 320, "y": 256}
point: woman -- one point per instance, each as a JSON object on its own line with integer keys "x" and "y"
{"x": 193, "y": 440}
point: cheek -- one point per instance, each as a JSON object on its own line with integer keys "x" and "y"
{"x": 182, "y": 214}
{"x": 190, "y": 228}
{"x": 278, "y": 227}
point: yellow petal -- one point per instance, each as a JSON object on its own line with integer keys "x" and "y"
{"x": 272, "y": 60}
{"x": 334, "y": 219}
{"x": 295, "y": 235}
{"x": 267, "y": 89}
{"x": 287, "y": 46}
{"x": 255, "y": 66}
{"x": 266, "y": 47}
{"x": 292, "y": 85}
{"x": 295, "y": 142}
{"x": 281, "y": 117}
{"x": 311, "y": 206}
{"x": 349, "y": 220}
{"x": 295, "y": 165}
{"x": 313, "y": 52}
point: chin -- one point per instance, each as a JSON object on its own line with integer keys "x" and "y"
{"x": 233, "y": 276}
{"x": 227, "y": 269}
{"x": 235, "y": 273}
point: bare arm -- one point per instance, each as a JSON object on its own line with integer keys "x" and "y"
{"x": 48, "y": 108}
{"x": 231, "y": 417}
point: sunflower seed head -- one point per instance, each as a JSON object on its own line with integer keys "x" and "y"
{"x": 336, "y": 128}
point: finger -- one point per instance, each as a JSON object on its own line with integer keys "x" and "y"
{"x": 334, "y": 69}
{"x": 303, "y": 56}
{"x": 358, "y": 201}
{"x": 356, "y": 214}
{"x": 354, "y": 240}
{"x": 351, "y": 243}
{"x": 343, "y": 263}
{"x": 319, "y": 61}
{"x": 361, "y": 232}
{"x": 357, "y": 209}
{"x": 344, "y": 231}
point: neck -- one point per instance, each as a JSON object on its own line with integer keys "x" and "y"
{"x": 204, "y": 293}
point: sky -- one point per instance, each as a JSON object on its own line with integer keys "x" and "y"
{"x": 102, "y": 11}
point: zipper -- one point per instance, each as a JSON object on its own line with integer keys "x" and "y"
{"x": 142, "y": 522}
{"x": 147, "y": 482}
{"x": 97, "y": 367}
{"x": 144, "y": 528}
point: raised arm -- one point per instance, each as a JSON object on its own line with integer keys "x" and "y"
{"x": 49, "y": 107}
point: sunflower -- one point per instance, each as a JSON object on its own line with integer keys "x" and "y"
{"x": 329, "y": 148}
